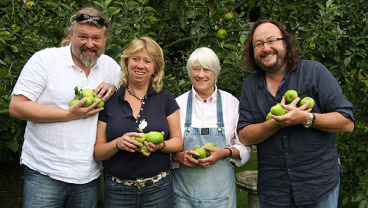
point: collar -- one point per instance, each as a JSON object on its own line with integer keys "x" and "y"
{"x": 121, "y": 91}
{"x": 212, "y": 98}
{"x": 69, "y": 58}
{"x": 261, "y": 77}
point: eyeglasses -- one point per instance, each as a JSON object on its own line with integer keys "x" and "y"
{"x": 260, "y": 44}
{"x": 98, "y": 19}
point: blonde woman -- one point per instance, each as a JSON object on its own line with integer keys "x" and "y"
{"x": 135, "y": 178}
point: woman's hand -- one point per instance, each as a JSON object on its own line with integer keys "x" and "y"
{"x": 186, "y": 158}
{"x": 216, "y": 155}
{"x": 126, "y": 142}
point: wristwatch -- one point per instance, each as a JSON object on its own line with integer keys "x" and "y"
{"x": 310, "y": 121}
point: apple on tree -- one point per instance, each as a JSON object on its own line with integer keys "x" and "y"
{"x": 228, "y": 16}
{"x": 221, "y": 34}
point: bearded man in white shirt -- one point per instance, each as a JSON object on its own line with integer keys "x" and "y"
{"x": 59, "y": 140}
{"x": 207, "y": 115}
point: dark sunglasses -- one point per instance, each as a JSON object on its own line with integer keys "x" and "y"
{"x": 98, "y": 19}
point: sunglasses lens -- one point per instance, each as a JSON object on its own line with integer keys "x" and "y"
{"x": 82, "y": 17}
{"x": 98, "y": 19}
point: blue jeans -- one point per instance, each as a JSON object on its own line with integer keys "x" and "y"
{"x": 156, "y": 195}
{"x": 42, "y": 191}
{"x": 329, "y": 201}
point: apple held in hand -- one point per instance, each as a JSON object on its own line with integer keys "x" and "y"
{"x": 87, "y": 93}
{"x": 278, "y": 110}
{"x": 140, "y": 139}
{"x": 144, "y": 148}
{"x": 73, "y": 102}
{"x": 307, "y": 99}
{"x": 209, "y": 144}
{"x": 89, "y": 101}
{"x": 290, "y": 95}
{"x": 201, "y": 151}
{"x": 101, "y": 104}
{"x": 155, "y": 137}
{"x": 268, "y": 117}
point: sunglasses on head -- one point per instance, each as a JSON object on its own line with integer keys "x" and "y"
{"x": 98, "y": 19}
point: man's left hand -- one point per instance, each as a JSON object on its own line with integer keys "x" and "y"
{"x": 105, "y": 91}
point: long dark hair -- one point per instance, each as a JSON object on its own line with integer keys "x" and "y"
{"x": 293, "y": 55}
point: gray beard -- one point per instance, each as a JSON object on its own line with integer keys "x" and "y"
{"x": 88, "y": 61}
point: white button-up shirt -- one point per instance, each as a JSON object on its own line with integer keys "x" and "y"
{"x": 62, "y": 150}
{"x": 204, "y": 116}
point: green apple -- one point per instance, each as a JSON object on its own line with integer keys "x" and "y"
{"x": 152, "y": 20}
{"x": 73, "y": 102}
{"x": 201, "y": 151}
{"x": 140, "y": 139}
{"x": 278, "y": 110}
{"x": 30, "y": 5}
{"x": 221, "y": 34}
{"x": 87, "y": 93}
{"x": 155, "y": 137}
{"x": 101, "y": 104}
{"x": 209, "y": 144}
{"x": 144, "y": 148}
{"x": 16, "y": 28}
{"x": 268, "y": 117}
{"x": 290, "y": 95}
{"x": 307, "y": 99}
{"x": 228, "y": 16}
{"x": 89, "y": 101}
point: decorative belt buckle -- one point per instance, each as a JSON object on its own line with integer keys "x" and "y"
{"x": 139, "y": 184}
{"x": 205, "y": 131}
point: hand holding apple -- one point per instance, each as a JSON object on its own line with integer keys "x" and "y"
{"x": 290, "y": 95}
{"x": 90, "y": 99}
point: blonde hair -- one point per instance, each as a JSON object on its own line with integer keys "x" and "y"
{"x": 90, "y": 11}
{"x": 154, "y": 50}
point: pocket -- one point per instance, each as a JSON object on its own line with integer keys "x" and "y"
{"x": 184, "y": 201}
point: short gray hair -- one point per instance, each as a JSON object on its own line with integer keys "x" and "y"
{"x": 207, "y": 58}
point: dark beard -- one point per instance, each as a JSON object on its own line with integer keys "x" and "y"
{"x": 277, "y": 66}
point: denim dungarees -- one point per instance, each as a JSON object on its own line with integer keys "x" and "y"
{"x": 204, "y": 187}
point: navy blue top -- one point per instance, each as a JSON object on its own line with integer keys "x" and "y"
{"x": 119, "y": 118}
{"x": 297, "y": 159}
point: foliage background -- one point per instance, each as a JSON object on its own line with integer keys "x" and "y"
{"x": 333, "y": 32}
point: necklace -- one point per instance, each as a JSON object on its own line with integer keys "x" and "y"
{"x": 132, "y": 94}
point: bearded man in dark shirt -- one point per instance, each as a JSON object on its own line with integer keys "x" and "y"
{"x": 297, "y": 155}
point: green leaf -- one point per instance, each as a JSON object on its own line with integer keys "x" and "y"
{"x": 13, "y": 145}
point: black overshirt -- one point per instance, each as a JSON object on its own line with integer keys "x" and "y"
{"x": 295, "y": 159}
{"x": 119, "y": 118}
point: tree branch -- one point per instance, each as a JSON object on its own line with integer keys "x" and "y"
{"x": 195, "y": 37}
